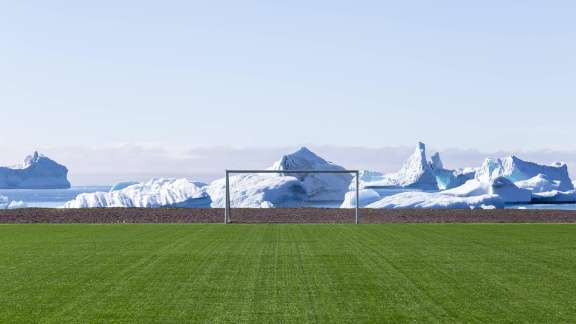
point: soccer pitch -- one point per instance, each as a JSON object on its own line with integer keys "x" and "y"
{"x": 288, "y": 273}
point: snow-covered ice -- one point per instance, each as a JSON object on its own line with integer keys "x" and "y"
{"x": 367, "y": 196}
{"x": 539, "y": 183}
{"x": 500, "y": 186}
{"x": 415, "y": 173}
{"x": 154, "y": 193}
{"x": 436, "y": 201}
{"x": 320, "y": 186}
{"x": 122, "y": 184}
{"x": 516, "y": 170}
{"x": 284, "y": 190}
{"x": 258, "y": 190}
{"x": 37, "y": 172}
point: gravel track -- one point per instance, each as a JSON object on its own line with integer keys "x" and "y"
{"x": 282, "y": 215}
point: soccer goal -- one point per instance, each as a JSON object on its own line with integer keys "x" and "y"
{"x": 287, "y": 188}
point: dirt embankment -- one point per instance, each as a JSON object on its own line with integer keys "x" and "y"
{"x": 282, "y": 215}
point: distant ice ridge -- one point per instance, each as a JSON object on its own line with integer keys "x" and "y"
{"x": 37, "y": 172}
{"x": 415, "y": 173}
{"x": 154, "y": 193}
{"x": 7, "y": 204}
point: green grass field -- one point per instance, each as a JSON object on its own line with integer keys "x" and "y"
{"x": 288, "y": 273}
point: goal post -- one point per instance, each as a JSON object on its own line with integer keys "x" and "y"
{"x": 228, "y": 172}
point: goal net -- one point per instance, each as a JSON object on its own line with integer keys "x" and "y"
{"x": 281, "y": 189}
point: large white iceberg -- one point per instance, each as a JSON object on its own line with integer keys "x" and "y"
{"x": 320, "y": 186}
{"x": 415, "y": 173}
{"x": 37, "y": 172}
{"x": 5, "y": 203}
{"x": 500, "y": 186}
{"x": 284, "y": 189}
{"x": 154, "y": 193}
{"x": 516, "y": 170}
{"x": 258, "y": 190}
{"x": 437, "y": 201}
{"x": 447, "y": 178}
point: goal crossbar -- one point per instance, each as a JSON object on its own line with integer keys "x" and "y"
{"x": 227, "y": 207}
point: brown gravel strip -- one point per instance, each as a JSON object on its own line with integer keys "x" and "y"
{"x": 282, "y": 215}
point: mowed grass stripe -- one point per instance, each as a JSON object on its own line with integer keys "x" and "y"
{"x": 288, "y": 272}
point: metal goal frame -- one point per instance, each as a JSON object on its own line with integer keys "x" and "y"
{"x": 228, "y": 172}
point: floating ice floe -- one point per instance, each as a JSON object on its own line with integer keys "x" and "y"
{"x": 436, "y": 201}
{"x": 8, "y": 204}
{"x": 37, "y": 172}
{"x": 154, "y": 193}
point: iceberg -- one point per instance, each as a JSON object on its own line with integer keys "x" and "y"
{"x": 500, "y": 186}
{"x": 154, "y": 193}
{"x": 284, "y": 190}
{"x": 320, "y": 186}
{"x": 7, "y": 204}
{"x": 448, "y": 179}
{"x": 539, "y": 183}
{"x": 37, "y": 172}
{"x": 258, "y": 190}
{"x": 437, "y": 201}
{"x": 415, "y": 173}
{"x": 515, "y": 169}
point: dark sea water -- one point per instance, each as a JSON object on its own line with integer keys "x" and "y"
{"x": 50, "y": 198}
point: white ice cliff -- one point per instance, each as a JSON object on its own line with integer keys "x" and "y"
{"x": 37, "y": 172}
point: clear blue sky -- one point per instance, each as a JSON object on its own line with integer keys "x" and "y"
{"x": 488, "y": 75}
